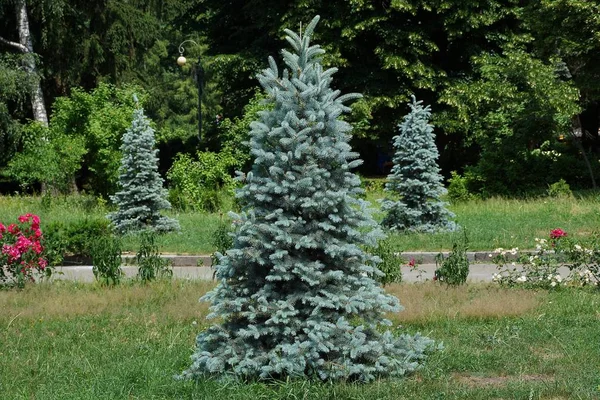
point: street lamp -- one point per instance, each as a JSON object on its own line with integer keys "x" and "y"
{"x": 181, "y": 61}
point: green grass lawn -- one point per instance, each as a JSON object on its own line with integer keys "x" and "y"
{"x": 80, "y": 341}
{"x": 489, "y": 223}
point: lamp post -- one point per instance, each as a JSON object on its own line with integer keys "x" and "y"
{"x": 181, "y": 61}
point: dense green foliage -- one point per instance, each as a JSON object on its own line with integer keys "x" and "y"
{"x": 297, "y": 295}
{"x": 505, "y": 78}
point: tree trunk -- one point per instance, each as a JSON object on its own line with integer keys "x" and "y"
{"x": 37, "y": 97}
{"x": 577, "y": 134}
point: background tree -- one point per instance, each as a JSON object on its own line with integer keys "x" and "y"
{"x": 514, "y": 111}
{"x": 15, "y": 84}
{"x": 296, "y": 296}
{"x": 416, "y": 178}
{"x": 24, "y": 44}
{"x": 142, "y": 195}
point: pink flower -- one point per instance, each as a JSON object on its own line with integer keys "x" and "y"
{"x": 412, "y": 263}
{"x": 2, "y": 228}
{"x": 12, "y": 252}
{"x": 13, "y": 229}
{"x": 23, "y": 244}
{"x": 37, "y": 247}
{"x": 35, "y": 222}
{"x": 42, "y": 263}
{"x": 557, "y": 233}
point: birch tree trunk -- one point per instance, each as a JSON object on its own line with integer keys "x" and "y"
{"x": 25, "y": 46}
{"x": 37, "y": 97}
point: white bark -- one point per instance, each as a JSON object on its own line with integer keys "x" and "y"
{"x": 25, "y": 46}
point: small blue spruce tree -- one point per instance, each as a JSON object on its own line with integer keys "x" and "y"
{"x": 296, "y": 294}
{"x": 416, "y": 178}
{"x": 142, "y": 195}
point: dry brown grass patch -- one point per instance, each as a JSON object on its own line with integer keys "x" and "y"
{"x": 429, "y": 301}
{"x": 177, "y": 299}
{"x": 483, "y": 381}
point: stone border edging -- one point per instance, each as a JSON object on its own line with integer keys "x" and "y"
{"x": 421, "y": 257}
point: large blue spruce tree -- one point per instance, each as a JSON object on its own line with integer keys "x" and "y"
{"x": 142, "y": 195}
{"x": 296, "y": 295}
{"x": 415, "y": 178}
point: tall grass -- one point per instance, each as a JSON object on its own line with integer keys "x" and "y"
{"x": 78, "y": 341}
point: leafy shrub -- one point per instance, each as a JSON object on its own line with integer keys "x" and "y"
{"x": 81, "y": 234}
{"x": 73, "y": 238}
{"x": 55, "y": 243}
{"x": 454, "y": 269}
{"x": 458, "y": 188}
{"x": 373, "y": 185}
{"x": 106, "y": 259}
{"x": 222, "y": 239}
{"x": 196, "y": 183}
{"x": 150, "y": 264}
{"x": 560, "y": 189}
{"x": 390, "y": 264}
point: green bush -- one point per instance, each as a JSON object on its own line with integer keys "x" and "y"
{"x": 197, "y": 184}
{"x": 222, "y": 239}
{"x": 373, "y": 185}
{"x": 390, "y": 264}
{"x": 150, "y": 264}
{"x": 454, "y": 269}
{"x": 54, "y": 242}
{"x": 73, "y": 238}
{"x": 106, "y": 259}
{"x": 458, "y": 188}
{"x": 560, "y": 189}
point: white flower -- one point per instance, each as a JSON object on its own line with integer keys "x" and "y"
{"x": 553, "y": 284}
{"x": 513, "y": 264}
{"x": 577, "y": 247}
{"x": 522, "y": 278}
{"x": 491, "y": 255}
{"x": 550, "y": 277}
{"x": 514, "y": 251}
{"x": 558, "y": 278}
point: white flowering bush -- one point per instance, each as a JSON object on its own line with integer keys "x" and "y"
{"x": 583, "y": 261}
{"x": 541, "y": 269}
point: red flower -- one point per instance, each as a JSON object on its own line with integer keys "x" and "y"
{"x": 13, "y": 229}
{"x": 412, "y": 263}
{"x": 2, "y": 228}
{"x": 35, "y": 222}
{"x": 557, "y": 233}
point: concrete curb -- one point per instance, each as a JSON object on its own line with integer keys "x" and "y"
{"x": 203, "y": 260}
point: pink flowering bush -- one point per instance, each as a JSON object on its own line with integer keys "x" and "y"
{"x": 21, "y": 251}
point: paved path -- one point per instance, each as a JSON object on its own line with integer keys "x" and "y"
{"x": 478, "y": 273}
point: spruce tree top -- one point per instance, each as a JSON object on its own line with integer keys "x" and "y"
{"x": 296, "y": 294}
